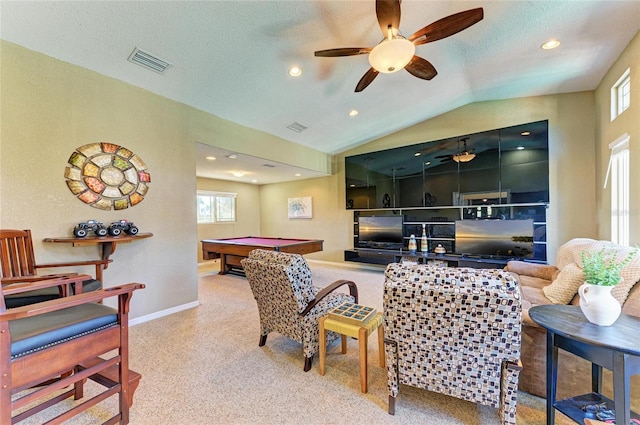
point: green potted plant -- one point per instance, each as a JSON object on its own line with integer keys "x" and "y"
{"x": 601, "y": 271}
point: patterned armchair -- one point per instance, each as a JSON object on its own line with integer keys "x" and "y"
{"x": 455, "y": 331}
{"x": 287, "y": 301}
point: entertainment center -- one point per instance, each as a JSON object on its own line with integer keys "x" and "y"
{"x": 481, "y": 197}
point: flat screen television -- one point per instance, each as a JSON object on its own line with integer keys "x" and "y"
{"x": 384, "y": 232}
{"x": 509, "y": 238}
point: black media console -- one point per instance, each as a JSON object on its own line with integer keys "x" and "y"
{"x": 384, "y": 257}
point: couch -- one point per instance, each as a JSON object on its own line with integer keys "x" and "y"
{"x": 557, "y": 284}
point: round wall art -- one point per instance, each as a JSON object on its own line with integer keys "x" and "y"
{"x": 107, "y": 176}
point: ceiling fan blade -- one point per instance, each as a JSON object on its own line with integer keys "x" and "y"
{"x": 345, "y": 51}
{"x": 366, "y": 79}
{"x": 445, "y": 27}
{"x": 421, "y": 68}
{"x": 388, "y": 13}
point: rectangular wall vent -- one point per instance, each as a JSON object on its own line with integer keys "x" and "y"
{"x": 149, "y": 61}
{"x": 297, "y": 127}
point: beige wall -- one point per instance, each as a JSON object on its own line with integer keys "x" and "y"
{"x": 330, "y": 221}
{"x": 608, "y": 131}
{"x": 247, "y": 211}
{"x": 49, "y": 108}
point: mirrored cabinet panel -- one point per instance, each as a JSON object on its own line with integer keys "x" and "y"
{"x": 507, "y": 165}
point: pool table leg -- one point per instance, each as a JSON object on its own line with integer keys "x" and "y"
{"x": 223, "y": 264}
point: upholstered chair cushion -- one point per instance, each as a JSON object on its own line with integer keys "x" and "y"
{"x": 297, "y": 271}
{"x": 455, "y": 331}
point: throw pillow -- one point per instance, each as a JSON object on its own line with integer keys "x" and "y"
{"x": 630, "y": 274}
{"x": 565, "y": 286}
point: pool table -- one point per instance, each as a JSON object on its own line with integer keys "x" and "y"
{"x": 232, "y": 250}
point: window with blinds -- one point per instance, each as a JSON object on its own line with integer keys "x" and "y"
{"x": 216, "y": 207}
{"x": 619, "y": 176}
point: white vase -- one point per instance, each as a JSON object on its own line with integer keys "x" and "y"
{"x": 598, "y": 305}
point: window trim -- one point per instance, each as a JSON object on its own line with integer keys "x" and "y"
{"x": 617, "y": 97}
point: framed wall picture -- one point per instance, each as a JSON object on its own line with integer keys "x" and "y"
{"x": 107, "y": 176}
{"x": 300, "y": 207}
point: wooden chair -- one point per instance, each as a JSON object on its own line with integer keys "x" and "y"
{"x": 41, "y": 343}
{"x": 18, "y": 264}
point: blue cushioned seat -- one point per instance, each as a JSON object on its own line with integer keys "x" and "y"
{"x": 31, "y": 297}
{"x": 46, "y": 294}
{"x": 34, "y": 333}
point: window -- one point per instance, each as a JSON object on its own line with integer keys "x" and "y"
{"x": 216, "y": 207}
{"x": 619, "y": 172}
{"x": 621, "y": 95}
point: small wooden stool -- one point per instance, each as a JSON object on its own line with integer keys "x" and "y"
{"x": 354, "y": 331}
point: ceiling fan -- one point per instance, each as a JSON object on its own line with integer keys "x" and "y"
{"x": 396, "y": 52}
{"x": 465, "y": 155}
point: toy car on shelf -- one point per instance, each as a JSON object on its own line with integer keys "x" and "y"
{"x": 82, "y": 229}
{"x": 117, "y": 227}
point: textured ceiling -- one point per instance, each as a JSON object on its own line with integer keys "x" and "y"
{"x": 230, "y": 58}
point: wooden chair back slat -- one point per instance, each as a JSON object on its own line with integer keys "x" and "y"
{"x": 16, "y": 253}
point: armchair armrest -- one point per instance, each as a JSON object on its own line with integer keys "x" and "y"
{"x": 514, "y": 366}
{"x": 353, "y": 291}
{"x": 70, "y": 301}
{"x": 542, "y": 271}
{"x": 22, "y": 279}
{"x": 74, "y": 264}
{"x": 99, "y": 265}
{"x": 19, "y": 285}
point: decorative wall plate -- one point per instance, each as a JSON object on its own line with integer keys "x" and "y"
{"x": 107, "y": 176}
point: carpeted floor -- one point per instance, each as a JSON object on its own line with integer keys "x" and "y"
{"x": 204, "y": 366}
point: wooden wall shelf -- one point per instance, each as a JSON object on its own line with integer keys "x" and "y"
{"x": 108, "y": 244}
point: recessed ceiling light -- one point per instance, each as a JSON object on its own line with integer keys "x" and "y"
{"x": 520, "y": 148}
{"x": 254, "y": 181}
{"x": 525, "y": 133}
{"x": 352, "y": 185}
{"x": 232, "y": 156}
{"x": 417, "y": 154}
{"x": 297, "y": 174}
{"x": 210, "y": 158}
{"x": 295, "y": 71}
{"x": 427, "y": 163}
{"x": 353, "y": 112}
{"x": 551, "y": 44}
{"x": 238, "y": 173}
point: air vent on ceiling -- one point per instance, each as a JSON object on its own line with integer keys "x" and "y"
{"x": 269, "y": 165}
{"x": 149, "y": 61}
{"x": 297, "y": 127}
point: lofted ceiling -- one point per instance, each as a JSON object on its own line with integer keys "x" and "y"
{"x": 230, "y": 58}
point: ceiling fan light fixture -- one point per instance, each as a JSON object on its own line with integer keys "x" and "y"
{"x": 392, "y": 55}
{"x": 464, "y": 157}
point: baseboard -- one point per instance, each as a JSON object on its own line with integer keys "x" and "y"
{"x": 348, "y": 265}
{"x": 162, "y": 313}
